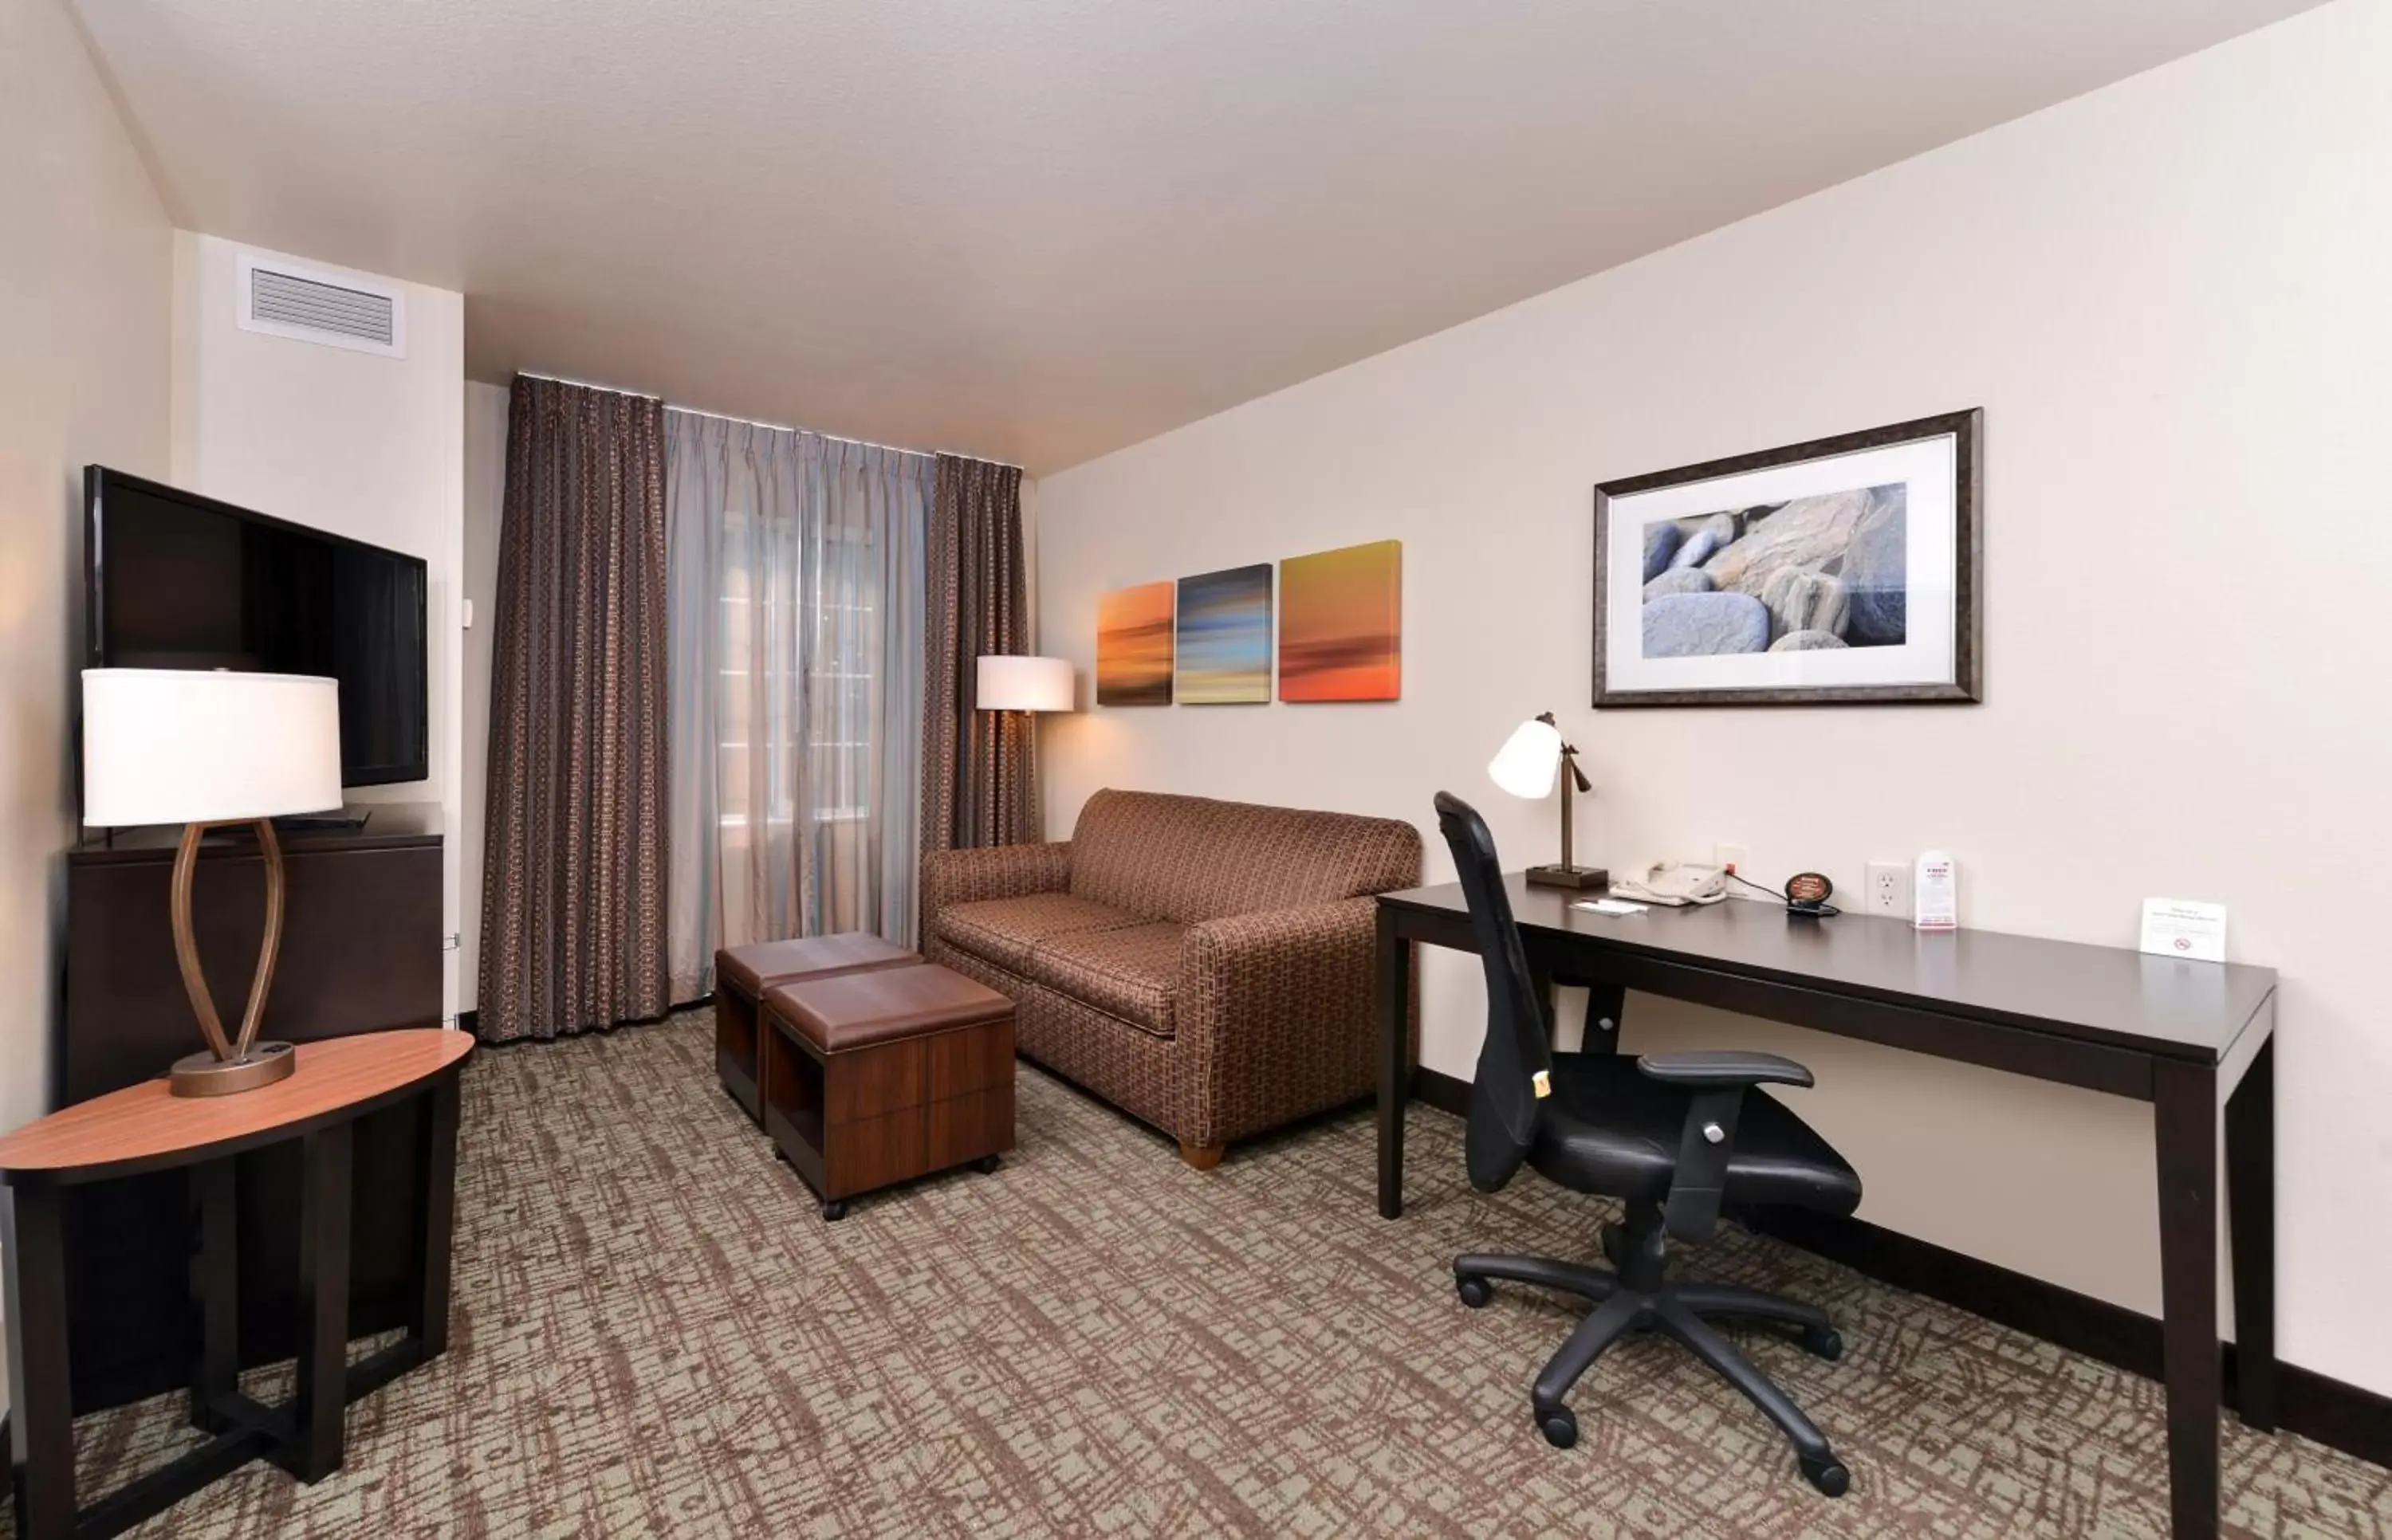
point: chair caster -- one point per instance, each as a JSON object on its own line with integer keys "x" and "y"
{"x": 835, "y": 1210}
{"x": 1474, "y": 1292}
{"x": 1826, "y": 1472}
{"x": 1560, "y": 1427}
{"x": 986, "y": 1164}
{"x": 1823, "y": 1342}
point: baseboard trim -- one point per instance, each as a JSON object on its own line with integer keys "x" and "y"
{"x": 2340, "y": 1415}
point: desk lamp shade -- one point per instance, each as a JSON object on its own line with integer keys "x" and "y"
{"x": 1014, "y": 683}
{"x": 171, "y": 746}
{"x": 1528, "y": 765}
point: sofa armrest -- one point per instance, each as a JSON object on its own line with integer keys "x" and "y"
{"x": 952, "y": 877}
{"x": 1276, "y": 1018}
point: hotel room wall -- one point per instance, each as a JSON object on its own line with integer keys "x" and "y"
{"x": 2168, "y": 297}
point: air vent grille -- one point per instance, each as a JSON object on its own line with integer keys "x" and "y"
{"x": 320, "y": 306}
{"x": 286, "y": 300}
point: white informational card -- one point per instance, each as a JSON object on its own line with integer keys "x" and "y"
{"x": 1610, "y": 906}
{"x": 2180, "y": 927}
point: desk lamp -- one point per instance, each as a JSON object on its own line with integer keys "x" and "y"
{"x": 205, "y": 749}
{"x": 1528, "y": 765}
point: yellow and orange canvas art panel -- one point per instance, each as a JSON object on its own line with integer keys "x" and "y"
{"x": 1341, "y": 624}
{"x": 1134, "y": 645}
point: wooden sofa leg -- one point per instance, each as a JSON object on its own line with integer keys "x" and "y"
{"x": 1203, "y": 1157}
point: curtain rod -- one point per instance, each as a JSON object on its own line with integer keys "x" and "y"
{"x": 752, "y": 423}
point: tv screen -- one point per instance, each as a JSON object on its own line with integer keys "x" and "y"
{"x": 176, "y": 580}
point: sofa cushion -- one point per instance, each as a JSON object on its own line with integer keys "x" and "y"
{"x": 1126, "y": 971}
{"x": 1003, "y": 930}
{"x": 1192, "y": 859}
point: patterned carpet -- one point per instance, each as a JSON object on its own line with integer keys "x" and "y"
{"x": 656, "y": 1335}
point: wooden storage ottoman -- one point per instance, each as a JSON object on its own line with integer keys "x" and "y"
{"x": 743, "y": 974}
{"x": 880, "y": 1077}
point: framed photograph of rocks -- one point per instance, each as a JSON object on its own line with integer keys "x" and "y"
{"x": 1842, "y": 570}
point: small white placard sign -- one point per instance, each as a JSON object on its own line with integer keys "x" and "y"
{"x": 2180, "y": 927}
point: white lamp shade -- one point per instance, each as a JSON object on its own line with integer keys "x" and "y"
{"x": 175, "y": 746}
{"x": 1024, "y": 684}
{"x": 1529, "y": 761}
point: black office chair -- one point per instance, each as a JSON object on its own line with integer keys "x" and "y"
{"x": 1677, "y": 1135}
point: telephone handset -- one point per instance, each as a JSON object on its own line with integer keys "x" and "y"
{"x": 1674, "y": 882}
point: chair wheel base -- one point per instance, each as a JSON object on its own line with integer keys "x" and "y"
{"x": 1560, "y": 1428}
{"x": 1823, "y": 1343}
{"x": 1826, "y": 1473}
{"x": 1474, "y": 1292}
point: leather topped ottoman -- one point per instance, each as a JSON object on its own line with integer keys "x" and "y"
{"x": 743, "y": 974}
{"x": 878, "y": 1077}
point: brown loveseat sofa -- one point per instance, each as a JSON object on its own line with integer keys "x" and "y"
{"x": 1205, "y": 965}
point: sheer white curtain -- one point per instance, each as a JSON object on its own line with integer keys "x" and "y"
{"x": 796, "y": 635}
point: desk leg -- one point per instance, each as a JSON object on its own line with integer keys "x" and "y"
{"x": 324, "y": 1302}
{"x": 1395, "y": 997}
{"x": 40, "y": 1418}
{"x": 2185, "y": 1120}
{"x": 2251, "y": 1236}
{"x": 435, "y": 1180}
{"x": 216, "y": 1279}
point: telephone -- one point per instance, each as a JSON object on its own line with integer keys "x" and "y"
{"x": 1674, "y": 882}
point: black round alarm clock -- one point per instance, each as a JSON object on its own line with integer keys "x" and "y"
{"x": 1806, "y": 893}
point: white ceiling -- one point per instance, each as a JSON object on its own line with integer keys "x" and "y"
{"x": 1041, "y": 229}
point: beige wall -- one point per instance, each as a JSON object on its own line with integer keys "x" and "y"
{"x": 86, "y": 255}
{"x": 364, "y": 445}
{"x": 2169, "y": 298}
{"x": 486, "y": 486}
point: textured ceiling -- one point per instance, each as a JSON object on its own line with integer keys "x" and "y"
{"x": 1040, "y": 229}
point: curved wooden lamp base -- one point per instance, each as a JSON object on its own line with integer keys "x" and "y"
{"x": 204, "y": 1074}
{"x": 242, "y": 1063}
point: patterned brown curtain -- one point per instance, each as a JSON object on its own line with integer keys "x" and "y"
{"x": 573, "y": 884}
{"x": 979, "y": 769}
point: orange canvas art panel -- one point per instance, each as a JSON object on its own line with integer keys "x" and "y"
{"x": 1134, "y": 645}
{"x": 1341, "y": 624}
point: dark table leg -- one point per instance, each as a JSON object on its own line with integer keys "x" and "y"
{"x": 2250, "y": 1237}
{"x": 436, "y": 1178}
{"x": 324, "y": 1304}
{"x": 41, "y": 1415}
{"x": 1394, "y": 998}
{"x": 2185, "y": 1120}
{"x": 216, "y": 1280}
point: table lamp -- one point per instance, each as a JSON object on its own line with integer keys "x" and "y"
{"x": 204, "y": 749}
{"x": 1528, "y": 765}
{"x": 1015, "y": 683}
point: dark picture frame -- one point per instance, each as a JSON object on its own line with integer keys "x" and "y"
{"x": 1965, "y": 686}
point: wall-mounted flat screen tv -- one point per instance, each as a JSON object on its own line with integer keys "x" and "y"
{"x": 176, "y": 580}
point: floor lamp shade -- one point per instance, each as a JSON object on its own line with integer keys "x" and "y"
{"x": 1015, "y": 683}
{"x": 178, "y": 746}
{"x": 203, "y": 748}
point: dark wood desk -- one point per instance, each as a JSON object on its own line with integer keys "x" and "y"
{"x": 142, "y": 1130}
{"x": 2185, "y": 1036}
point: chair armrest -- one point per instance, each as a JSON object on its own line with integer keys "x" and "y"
{"x": 1723, "y": 1067}
{"x": 951, "y": 877}
{"x": 1719, "y": 1081}
{"x": 1276, "y": 1016}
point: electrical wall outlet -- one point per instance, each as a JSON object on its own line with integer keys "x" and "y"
{"x": 1734, "y": 857}
{"x": 1888, "y": 890}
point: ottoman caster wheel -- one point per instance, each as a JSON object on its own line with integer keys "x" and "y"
{"x": 781, "y": 1155}
{"x": 986, "y": 1164}
{"x": 1823, "y": 1343}
{"x": 1826, "y": 1473}
{"x": 1474, "y": 1292}
{"x": 1559, "y": 1426}
{"x": 835, "y": 1210}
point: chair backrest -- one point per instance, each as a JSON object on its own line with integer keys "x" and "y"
{"x": 1503, "y": 1094}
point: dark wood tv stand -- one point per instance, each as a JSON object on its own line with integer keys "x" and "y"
{"x": 361, "y": 953}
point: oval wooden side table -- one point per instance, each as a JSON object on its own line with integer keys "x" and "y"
{"x": 143, "y": 1129}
